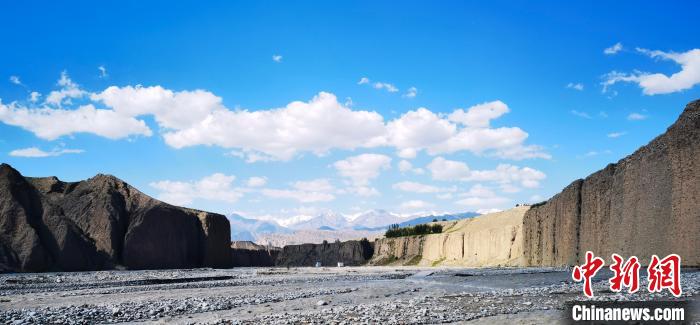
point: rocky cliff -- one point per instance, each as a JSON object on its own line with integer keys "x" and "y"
{"x": 352, "y": 252}
{"x": 494, "y": 239}
{"x": 247, "y": 253}
{"x": 101, "y": 223}
{"x": 647, "y": 203}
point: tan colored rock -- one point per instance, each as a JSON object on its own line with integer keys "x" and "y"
{"x": 493, "y": 239}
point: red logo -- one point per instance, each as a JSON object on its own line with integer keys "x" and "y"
{"x": 586, "y": 271}
{"x": 626, "y": 274}
{"x": 663, "y": 274}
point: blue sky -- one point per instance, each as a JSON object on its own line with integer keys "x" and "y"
{"x": 213, "y": 107}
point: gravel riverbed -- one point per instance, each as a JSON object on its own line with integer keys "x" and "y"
{"x": 350, "y": 295}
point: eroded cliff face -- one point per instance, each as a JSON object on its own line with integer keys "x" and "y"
{"x": 647, "y": 203}
{"x": 494, "y": 239}
{"x": 350, "y": 253}
{"x": 246, "y": 253}
{"x": 101, "y": 223}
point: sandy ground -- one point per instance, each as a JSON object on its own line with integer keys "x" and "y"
{"x": 391, "y": 295}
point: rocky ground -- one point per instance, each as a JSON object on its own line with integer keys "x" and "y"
{"x": 389, "y": 295}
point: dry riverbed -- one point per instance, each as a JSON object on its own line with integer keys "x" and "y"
{"x": 390, "y": 295}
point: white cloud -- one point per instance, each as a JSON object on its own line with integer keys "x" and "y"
{"x": 594, "y": 153}
{"x": 364, "y": 191}
{"x": 363, "y": 81}
{"x": 198, "y": 117}
{"x": 480, "y": 116}
{"x": 411, "y": 93}
{"x": 415, "y": 187}
{"x": 580, "y": 114}
{"x": 444, "y": 196}
{"x": 406, "y": 166}
{"x": 617, "y": 47}
{"x": 504, "y": 174}
{"x": 576, "y": 86}
{"x": 172, "y": 110}
{"x": 317, "y": 126}
{"x": 69, "y": 89}
{"x": 636, "y": 117}
{"x": 50, "y": 124}
{"x": 215, "y": 187}
{"x": 362, "y": 168}
{"x": 448, "y": 170}
{"x": 277, "y": 58}
{"x": 301, "y": 196}
{"x": 316, "y": 185}
{"x": 461, "y": 131}
{"x": 15, "y": 80}
{"x": 103, "y": 71}
{"x": 34, "y": 96}
{"x": 415, "y": 205}
{"x": 616, "y": 134}
{"x": 481, "y": 197}
{"x": 256, "y": 181}
{"x": 384, "y": 85}
{"x": 659, "y": 83}
{"x": 35, "y": 152}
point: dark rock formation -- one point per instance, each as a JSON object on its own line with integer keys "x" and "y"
{"x": 101, "y": 223}
{"x": 246, "y": 253}
{"x": 647, "y": 203}
{"x": 350, "y": 253}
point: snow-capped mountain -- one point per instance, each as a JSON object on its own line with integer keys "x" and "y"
{"x": 323, "y": 220}
{"x": 375, "y": 218}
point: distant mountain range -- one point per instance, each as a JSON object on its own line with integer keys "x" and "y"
{"x": 327, "y": 226}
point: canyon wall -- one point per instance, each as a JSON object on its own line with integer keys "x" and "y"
{"x": 247, "y": 253}
{"x": 494, "y": 239}
{"x": 101, "y": 223}
{"x": 647, "y": 203}
{"x": 350, "y": 253}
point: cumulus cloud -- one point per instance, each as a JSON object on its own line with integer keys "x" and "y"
{"x": 411, "y": 93}
{"x": 576, "y": 86}
{"x": 69, "y": 90}
{"x": 50, "y": 124}
{"x": 504, "y": 174}
{"x": 362, "y": 168}
{"x": 363, "y": 81}
{"x": 34, "y": 152}
{"x": 617, "y": 47}
{"x": 315, "y": 185}
{"x": 415, "y": 205}
{"x": 301, "y": 196}
{"x": 481, "y": 197}
{"x": 198, "y": 117}
{"x": 256, "y": 181}
{"x": 461, "y": 131}
{"x": 636, "y": 117}
{"x": 415, "y": 187}
{"x": 215, "y": 187}
{"x": 659, "y": 83}
{"x": 406, "y": 166}
{"x": 277, "y": 58}
{"x": 34, "y": 96}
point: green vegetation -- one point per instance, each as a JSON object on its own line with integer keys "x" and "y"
{"x": 396, "y": 231}
{"x": 414, "y": 261}
{"x": 436, "y": 263}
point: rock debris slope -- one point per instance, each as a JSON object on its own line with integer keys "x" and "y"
{"x": 101, "y": 223}
{"x": 647, "y": 203}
